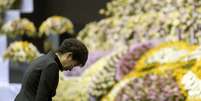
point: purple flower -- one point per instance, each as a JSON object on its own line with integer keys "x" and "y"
{"x": 151, "y": 88}
{"x": 128, "y": 61}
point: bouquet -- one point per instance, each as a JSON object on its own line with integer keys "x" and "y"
{"x": 19, "y": 27}
{"x": 21, "y": 51}
{"x": 56, "y": 25}
{"x": 5, "y": 4}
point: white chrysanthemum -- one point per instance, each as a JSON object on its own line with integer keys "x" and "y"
{"x": 192, "y": 84}
{"x": 7, "y": 26}
{"x": 167, "y": 55}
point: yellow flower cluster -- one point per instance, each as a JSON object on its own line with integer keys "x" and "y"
{"x": 72, "y": 89}
{"x": 56, "y": 25}
{"x": 5, "y": 4}
{"x": 21, "y": 51}
{"x": 19, "y": 27}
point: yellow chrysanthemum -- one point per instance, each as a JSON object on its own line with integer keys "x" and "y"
{"x": 56, "y": 25}
{"x": 21, "y": 51}
{"x": 19, "y": 27}
{"x": 197, "y": 68}
{"x": 193, "y": 99}
{"x": 5, "y": 4}
{"x": 160, "y": 70}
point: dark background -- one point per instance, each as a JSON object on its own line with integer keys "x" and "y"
{"x": 80, "y": 12}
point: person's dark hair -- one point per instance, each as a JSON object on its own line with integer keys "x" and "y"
{"x": 78, "y": 49}
{"x": 65, "y": 35}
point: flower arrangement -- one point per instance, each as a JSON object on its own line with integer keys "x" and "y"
{"x": 19, "y": 27}
{"x": 56, "y": 25}
{"x": 21, "y": 51}
{"x": 186, "y": 73}
{"x": 186, "y": 78}
{"x": 5, "y": 4}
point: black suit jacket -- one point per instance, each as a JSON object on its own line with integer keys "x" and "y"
{"x": 41, "y": 79}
